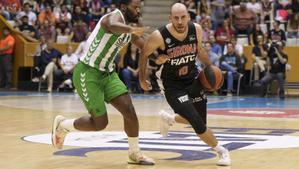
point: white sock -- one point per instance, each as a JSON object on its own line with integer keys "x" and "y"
{"x": 133, "y": 144}
{"x": 68, "y": 124}
{"x": 219, "y": 148}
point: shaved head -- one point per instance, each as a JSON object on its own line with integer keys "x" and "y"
{"x": 178, "y": 8}
{"x": 179, "y": 17}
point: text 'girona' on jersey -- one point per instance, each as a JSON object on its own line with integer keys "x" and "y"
{"x": 102, "y": 47}
{"x": 182, "y": 57}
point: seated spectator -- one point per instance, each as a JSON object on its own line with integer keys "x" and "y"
{"x": 33, "y": 5}
{"x": 278, "y": 60}
{"x": 216, "y": 48}
{"x": 214, "y": 58}
{"x": 259, "y": 55}
{"x": 293, "y": 26}
{"x": 67, "y": 64}
{"x": 238, "y": 47}
{"x": 224, "y": 34}
{"x": 26, "y": 29}
{"x": 204, "y": 7}
{"x": 231, "y": 63}
{"x": 130, "y": 71}
{"x": 65, "y": 36}
{"x": 63, "y": 19}
{"x": 277, "y": 34}
{"x": 83, "y": 5}
{"x": 47, "y": 15}
{"x": 243, "y": 20}
{"x": 46, "y": 30}
{"x": 7, "y": 43}
{"x": 257, "y": 31}
{"x": 78, "y": 14}
{"x": 36, "y": 59}
{"x": 206, "y": 32}
{"x": 48, "y": 60}
{"x": 42, "y": 4}
{"x": 80, "y": 30}
{"x": 96, "y": 10}
{"x": 27, "y": 12}
{"x": 203, "y": 18}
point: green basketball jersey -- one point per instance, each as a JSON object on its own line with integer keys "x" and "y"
{"x": 102, "y": 47}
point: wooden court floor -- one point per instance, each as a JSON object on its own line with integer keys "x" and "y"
{"x": 261, "y": 134}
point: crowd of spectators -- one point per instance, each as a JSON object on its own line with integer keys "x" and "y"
{"x": 61, "y": 20}
{"x": 267, "y": 25}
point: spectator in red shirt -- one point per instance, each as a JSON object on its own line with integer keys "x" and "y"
{"x": 224, "y": 34}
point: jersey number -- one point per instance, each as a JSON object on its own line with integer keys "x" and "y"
{"x": 183, "y": 71}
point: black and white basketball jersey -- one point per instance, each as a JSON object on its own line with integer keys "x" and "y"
{"x": 180, "y": 70}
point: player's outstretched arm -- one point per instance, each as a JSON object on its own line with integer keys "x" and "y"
{"x": 202, "y": 54}
{"x": 153, "y": 43}
{"x": 114, "y": 24}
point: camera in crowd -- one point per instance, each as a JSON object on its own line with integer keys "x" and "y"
{"x": 274, "y": 45}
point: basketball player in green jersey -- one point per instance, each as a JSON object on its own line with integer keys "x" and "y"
{"x": 97, "y": 82}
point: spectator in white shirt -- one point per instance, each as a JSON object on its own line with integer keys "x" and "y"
{"x": 67, "y": 63}
{"x": 27, "y": 11}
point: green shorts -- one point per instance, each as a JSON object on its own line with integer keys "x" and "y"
{"x": 96, "y": 87}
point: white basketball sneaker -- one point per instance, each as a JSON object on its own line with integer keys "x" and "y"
{"x": 224, "y": 159}
{"x": 139, "y": 159}
{"x": 58, "y": 132}
{"x": 166, "y": 120}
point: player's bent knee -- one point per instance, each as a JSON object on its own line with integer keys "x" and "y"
{"x": 200, "y": 129}
{"x": 100, "y": 123}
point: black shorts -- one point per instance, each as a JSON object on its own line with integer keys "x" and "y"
{"x": 190, "y": 103}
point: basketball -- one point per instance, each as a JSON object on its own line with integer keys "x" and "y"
{"x": 211, "y": 78}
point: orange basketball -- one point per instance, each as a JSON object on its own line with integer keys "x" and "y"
{"x": 211, "y": 78}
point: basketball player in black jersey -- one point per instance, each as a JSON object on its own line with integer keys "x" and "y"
{"x": 180, "y": 42}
